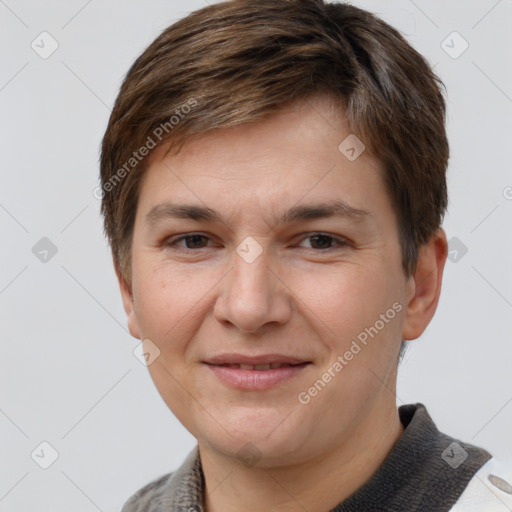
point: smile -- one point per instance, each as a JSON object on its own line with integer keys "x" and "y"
{"x": 255, "y": 373}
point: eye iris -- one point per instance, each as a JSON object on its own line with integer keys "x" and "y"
{"x": 322, "y": 238}
{"x": 318, "y": 241}
{"x": 196, "y": 240}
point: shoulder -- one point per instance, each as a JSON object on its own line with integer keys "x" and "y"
{"x": 146, "y": 498}
{"x": 180, "y": 490}
{"x": 490, "y": 489}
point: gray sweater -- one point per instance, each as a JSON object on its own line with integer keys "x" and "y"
{"x": 425, "y": 471}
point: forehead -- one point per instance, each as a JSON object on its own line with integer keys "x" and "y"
{"x": 294, "y": 156}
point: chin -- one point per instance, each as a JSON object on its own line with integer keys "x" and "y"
{"x": 258, "y": 436}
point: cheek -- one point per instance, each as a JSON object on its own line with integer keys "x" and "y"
{"x": 171, "y": 303}
{"x": 353, "y": 304}
{"x": 343, "y": 299}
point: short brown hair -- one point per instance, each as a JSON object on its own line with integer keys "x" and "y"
{"x": 236, "y": 61}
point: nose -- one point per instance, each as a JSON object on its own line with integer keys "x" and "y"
{"x": 253, "y": 296}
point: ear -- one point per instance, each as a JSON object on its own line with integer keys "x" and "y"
{"x": 425, "y": 286}
{"x": 127, "y": 296}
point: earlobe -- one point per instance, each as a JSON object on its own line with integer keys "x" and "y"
{"x": 128, "y": 303}
{"x": 426, "y": 286}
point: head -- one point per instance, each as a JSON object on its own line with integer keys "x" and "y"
{"x": 301, "y": 148}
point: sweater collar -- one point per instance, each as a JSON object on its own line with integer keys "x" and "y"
{"x": 414, "y": 476}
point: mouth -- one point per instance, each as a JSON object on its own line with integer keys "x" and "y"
{"x": 255, "y": 372}
{"x": 258, "y": 367}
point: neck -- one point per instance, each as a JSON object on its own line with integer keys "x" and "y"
{"x": 317, "y": 484}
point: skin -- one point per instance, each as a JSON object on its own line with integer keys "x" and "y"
{"x": 299, "y": 297}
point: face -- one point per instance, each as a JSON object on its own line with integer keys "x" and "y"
{"x": 266, "y": 269}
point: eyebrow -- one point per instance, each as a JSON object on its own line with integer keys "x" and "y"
{"x": 168, "y": 210}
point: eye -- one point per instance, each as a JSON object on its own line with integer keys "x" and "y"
{"x": 192, "y": 241}
{"x": 317, "y": 241}
{"x": 323, "y": 241}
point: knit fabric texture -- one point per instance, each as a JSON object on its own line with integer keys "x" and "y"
{"x": 421, "y": 473}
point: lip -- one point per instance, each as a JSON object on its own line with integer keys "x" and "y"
{"x": 254, "y": 360}
{"x": 255, "y": 379}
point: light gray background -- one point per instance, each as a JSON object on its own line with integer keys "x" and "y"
{"x": 68, "y": 373}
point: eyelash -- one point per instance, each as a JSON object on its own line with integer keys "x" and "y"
{"x": 341, "y": 242}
